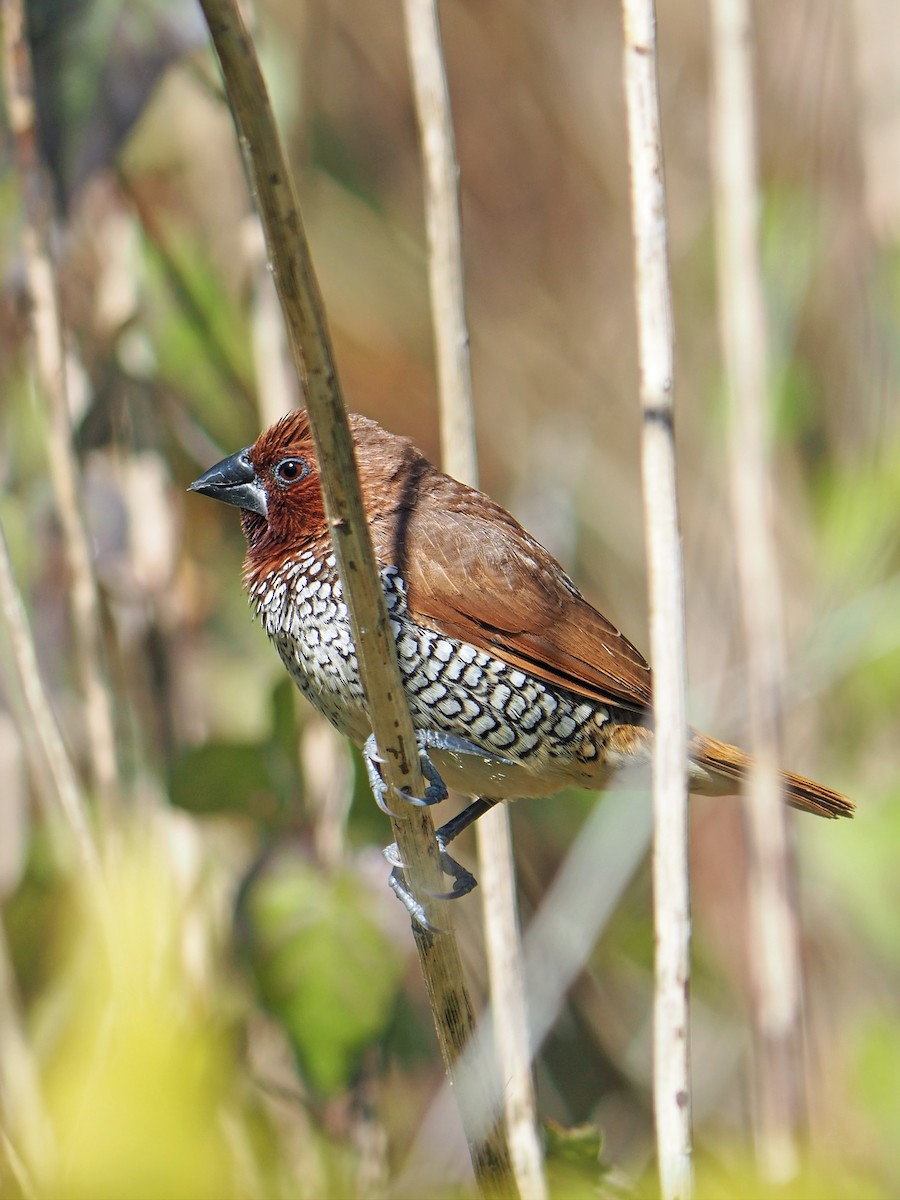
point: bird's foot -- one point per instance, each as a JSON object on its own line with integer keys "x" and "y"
{"x": 416, "y": 910}
{"x": 463, "y": 880}
{"x": 435, "y": 789}
{"x": 463, "y": 883}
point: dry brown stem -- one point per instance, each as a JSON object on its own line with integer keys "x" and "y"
{"x": 65, "y": 798}
{"x": 50, "y": 366}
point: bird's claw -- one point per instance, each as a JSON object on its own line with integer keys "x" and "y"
{"x": 463, "y": 883}
{"x": 392, "y": 854}
{"x": 400, "y": 888}
{"x": 463, "y": 880}
{"x": 435, "y": 790}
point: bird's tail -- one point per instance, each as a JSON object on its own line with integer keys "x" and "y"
{"x": 717, "y": 767}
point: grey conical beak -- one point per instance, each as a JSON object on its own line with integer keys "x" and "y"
{"x": 233, "y": 481}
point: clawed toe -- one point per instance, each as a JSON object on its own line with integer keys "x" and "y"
{"x": 400, "y": 888}
{"x": 463, "y": 883}
{"x": 435, "y": 790}
{"x": 392, "y": 854}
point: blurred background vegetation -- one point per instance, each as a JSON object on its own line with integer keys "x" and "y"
{"x": 264, "y": 1031}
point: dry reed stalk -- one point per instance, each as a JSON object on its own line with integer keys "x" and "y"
{"x": 64, "y": 798}
{"x": 50, "y": 365}
{"x": 671, "y": 880}
{"x": 609, "y": 850}
{"x": 773, "y": 935}
{"x": 459, "y": 457}
{"x": 276, "y": 383}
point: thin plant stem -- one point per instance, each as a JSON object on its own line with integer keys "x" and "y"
{"x": 64, "y": 798}
{"x": 311, "y": 350}
{"x": 445, "y": 261}
{"x": 671, "y": 881}
{"x": 276, "y": 382}
{"x": 773, "y": 937}
{"x": 459, "y": 457}
{"x": 50, "y": 363}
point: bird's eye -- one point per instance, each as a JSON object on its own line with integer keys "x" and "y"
{"x": 290, "y": 470}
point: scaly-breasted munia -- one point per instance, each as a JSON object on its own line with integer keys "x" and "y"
{"x": 517, "y": 686}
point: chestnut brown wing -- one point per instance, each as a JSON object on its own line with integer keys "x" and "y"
{"x": 477, "y": 575}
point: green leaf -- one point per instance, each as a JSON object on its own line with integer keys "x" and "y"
{"x": 323, "y": 966}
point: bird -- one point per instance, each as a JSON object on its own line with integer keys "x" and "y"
{"x": 516, "y": 684}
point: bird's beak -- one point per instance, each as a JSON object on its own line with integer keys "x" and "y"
{"x": 234, "y": 481}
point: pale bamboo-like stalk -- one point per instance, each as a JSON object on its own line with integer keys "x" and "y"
{"x": 65, "y": 798}
{"x": 773, "y": 936}
{"x": 445, "y": 263}
{"x": 459, "y": 457}
{"x": 310, "y": 345}
{"x": 50, "y": 363}
{"x": 875, "y": 34}
{"x": 671, "y": 881}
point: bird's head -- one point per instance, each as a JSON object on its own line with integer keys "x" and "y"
{"x": 275, "y": 484}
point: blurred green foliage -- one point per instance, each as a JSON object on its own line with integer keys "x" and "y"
{"x": 323, "y": 966}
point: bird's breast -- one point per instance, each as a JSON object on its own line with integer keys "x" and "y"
{"x": 301, "y": 608}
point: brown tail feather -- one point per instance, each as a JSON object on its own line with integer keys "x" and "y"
{"x": 728, "y": 764}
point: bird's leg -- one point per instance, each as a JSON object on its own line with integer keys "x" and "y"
{"x": 436, "y": 739}
{"x": 463, "y": 881}
{"x": 469, "y": 815}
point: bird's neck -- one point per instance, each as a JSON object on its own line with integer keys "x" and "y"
{"x": 268, "y": 552}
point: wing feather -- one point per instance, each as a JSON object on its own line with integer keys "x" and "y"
{"x": 478, "y": 576}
